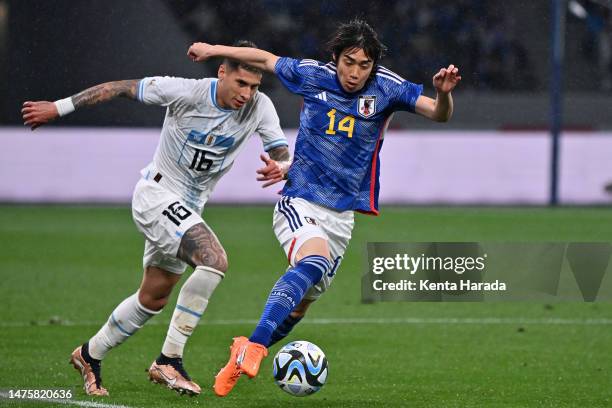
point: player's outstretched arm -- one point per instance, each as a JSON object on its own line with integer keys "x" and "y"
{"x": 441, "y": 108}
{"x": 255, "y": 57}
{"x": 38, "y": 113}
{"x": 277, "y": 166}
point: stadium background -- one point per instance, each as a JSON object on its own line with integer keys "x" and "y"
{"x": 65, "y": 266}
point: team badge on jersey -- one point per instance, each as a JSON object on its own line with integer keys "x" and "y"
{"x": 367, "y": 105}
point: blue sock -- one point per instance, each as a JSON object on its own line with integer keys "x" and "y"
{"x": 287, "y": 293}
{"x": 283, "y": 330}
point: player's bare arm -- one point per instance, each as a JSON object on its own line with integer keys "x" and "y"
{"x": 200, "y": 246}
{"x": 254, "y": 57}
{"x": 276, "y": 166}
{"x": 38, "y": 113}
{"x": 105, "y": 92}
{"x": 441, "y": 108}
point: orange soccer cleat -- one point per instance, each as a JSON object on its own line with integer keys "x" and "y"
{"x": 250, "y": 359}
{"x": 245, "y": 357}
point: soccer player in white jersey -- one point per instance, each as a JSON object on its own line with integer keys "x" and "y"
{"x": 207, "y": 124}
{"x": 348, "y": 103}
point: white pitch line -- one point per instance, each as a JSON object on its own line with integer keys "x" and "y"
{"x": 466, "y": 320}
{"x": 88, "y": 404}
{"x": 357, "y": 320}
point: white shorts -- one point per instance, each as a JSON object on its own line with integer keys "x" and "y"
{"x": 297, "y": 220}
{"x": 163, "y": 218}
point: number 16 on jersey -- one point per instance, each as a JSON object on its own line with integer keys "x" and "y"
{"x": 200, "y": 162}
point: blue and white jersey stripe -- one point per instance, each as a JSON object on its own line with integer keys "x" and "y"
{"x": 388, "y": 72}
{"x": 275, "y": 143}
{"x": 394, "y": 79}
{"x": 139, "y": 91}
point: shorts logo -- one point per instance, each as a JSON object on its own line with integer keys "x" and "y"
{"x": 367, "y": 105}
{"x": 310, "y": 220}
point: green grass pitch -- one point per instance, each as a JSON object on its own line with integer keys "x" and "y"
{"x": 64, "y": 269}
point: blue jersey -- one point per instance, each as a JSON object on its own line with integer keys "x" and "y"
{"x": 336, "y": 162}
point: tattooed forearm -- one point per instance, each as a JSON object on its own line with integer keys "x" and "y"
{"x": 280, "y": 153}
{"x": 105, "y": 92}
{"x": 200, "y": 246}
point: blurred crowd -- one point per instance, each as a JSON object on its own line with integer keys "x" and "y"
{"x": 479, "y": 36}
{"x": 596, "y": 43}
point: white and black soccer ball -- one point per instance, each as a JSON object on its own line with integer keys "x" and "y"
{"x": 300, "y": 368}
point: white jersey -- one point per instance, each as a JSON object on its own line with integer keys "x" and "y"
{"x": 200, "y": 140}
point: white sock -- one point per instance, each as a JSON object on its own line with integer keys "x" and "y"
{"x": 124, "y": 321}
{"x": 190, "y": 306}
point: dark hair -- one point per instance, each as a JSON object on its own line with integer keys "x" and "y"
{"x": 233, "y": 64}
{"x": 357, "y": 34}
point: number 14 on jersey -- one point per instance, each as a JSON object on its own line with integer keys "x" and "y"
{"x": 347, "y": 124}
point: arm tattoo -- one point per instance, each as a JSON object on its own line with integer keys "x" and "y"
{"x": 280, "y": 153}
{"x": 200, "y": 246}
{"x": 105, "y": 92}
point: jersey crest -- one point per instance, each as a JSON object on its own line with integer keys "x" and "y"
{"x": 367, "y": 105}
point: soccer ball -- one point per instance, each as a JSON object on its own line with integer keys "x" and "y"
{"x": 300, "y": 368}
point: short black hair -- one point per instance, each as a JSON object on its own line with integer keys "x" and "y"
{"x": 233, "y": 64}
{"x": 357, "y": 34}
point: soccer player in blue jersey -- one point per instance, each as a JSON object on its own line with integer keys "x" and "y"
{"x": 348, "y": 104}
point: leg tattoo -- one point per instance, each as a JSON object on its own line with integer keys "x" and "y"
{"x": 201, "y": 247}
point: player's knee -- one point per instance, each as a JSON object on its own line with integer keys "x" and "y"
{"x": 158, "y": 304}
{"x": 152, "y": 301}
{"x": 156, "y": 287}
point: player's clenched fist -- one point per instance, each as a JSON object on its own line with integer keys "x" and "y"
{"x": 38, "y": 113}
{"x": 200, "y": 51}
{"x": 446, "y": 79}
